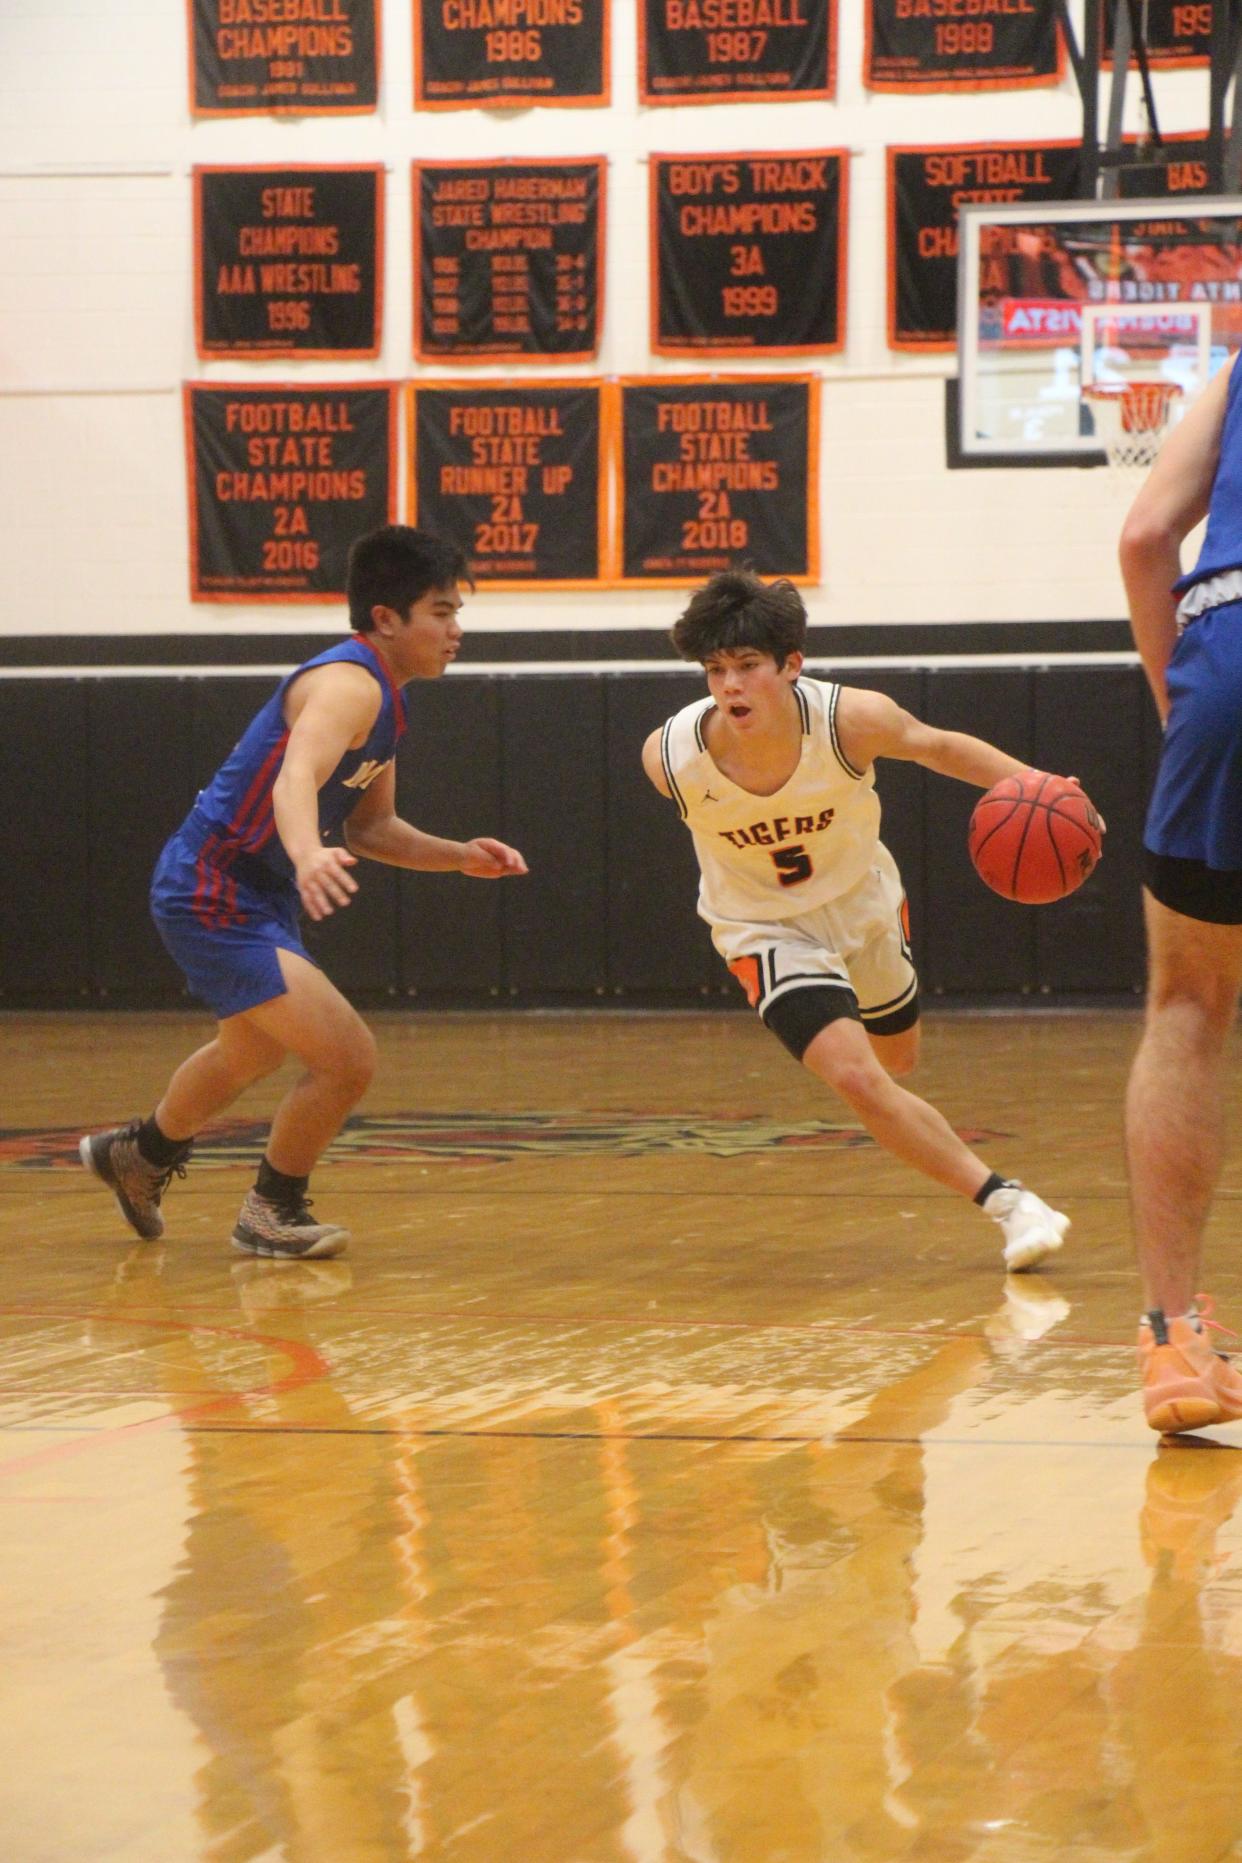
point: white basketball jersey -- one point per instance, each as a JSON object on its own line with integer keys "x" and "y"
{"x": 774, "y": 857}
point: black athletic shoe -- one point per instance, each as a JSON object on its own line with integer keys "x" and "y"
{"x": 286, "y": 1230}
{"x": 114, "y": 1158}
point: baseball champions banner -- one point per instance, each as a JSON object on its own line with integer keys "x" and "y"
{"x": 250, "y": 57}
{"x": 713, "y": 472}
{"x": 508, "y": 259}
{"x": 951, "y": 45}
{"x": 281, "y": 480}
{"x": 288, "y": 261}
{"x": 736, "y": 51}
{"x": 515, "y": 475}
{"x": 1179, "y": 32}
{"x": 926, "y": 186}
{"x": 748, "y": 253}
{"x": 487, "y": 52}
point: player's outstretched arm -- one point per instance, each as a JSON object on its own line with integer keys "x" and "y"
{"x": 376, "y": 831}
{"x": 870, "y": 725}
{"x": 653, "y": 763}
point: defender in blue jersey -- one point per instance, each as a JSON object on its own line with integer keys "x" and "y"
{"x": 253, "y": 853}
{"x": 1188, "y": 630}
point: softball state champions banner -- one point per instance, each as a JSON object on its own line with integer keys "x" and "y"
{"x": 251, "y": 57}
{"x": 508, "y": 259}
{"x": 282, "y": 479}
{"x": 950, "y": 45}
{"x": 748, "y": 253}
{"x": 717, "y": 471}
{"x": 515, "y": 475}
{"x": 288, "y": 261}
{"x": 731, "y": 51}
{"x": 486, "y": 52}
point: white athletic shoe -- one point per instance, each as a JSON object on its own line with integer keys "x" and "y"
{"x": 1032, "y": 1230}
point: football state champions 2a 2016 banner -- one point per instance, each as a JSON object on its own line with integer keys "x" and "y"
{"x": 716, "y": 471}
{"x": 515, "y": 475}
{"x": 951, "y": 45}
{"x": 470, "y": 53}
{"x": 288, "y": 261}
{"x": 250, "y": 57}
{"x": 736, "y": 51}
{"x": 508, "y": 259}
{"x": 748, "y": 253}
{"x": 281, "y": 481}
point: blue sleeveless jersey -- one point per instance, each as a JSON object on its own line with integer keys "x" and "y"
{"x": 1222, "y": 541}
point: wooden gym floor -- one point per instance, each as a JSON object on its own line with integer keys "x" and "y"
{"x": 664, "y": 1474}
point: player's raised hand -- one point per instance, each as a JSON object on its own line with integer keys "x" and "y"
{"x": 491, "y": 860}
{"x": 324, "y": 881}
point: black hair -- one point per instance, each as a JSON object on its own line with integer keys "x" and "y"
{"x": 395, "y": 566}
{"x": 737, "y": 609}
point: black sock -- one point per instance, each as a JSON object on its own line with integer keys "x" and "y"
{"x": 278, "y": 1187}
{"x": 158, "y": 1150}
{"x": 995, "y": 1182}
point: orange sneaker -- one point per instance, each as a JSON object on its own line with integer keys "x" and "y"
{"x": 1186, "y": 1385}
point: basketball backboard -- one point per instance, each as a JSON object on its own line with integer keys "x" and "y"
{"x": 1055, "y": 297}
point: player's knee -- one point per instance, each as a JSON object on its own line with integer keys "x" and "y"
{"x": 859, "y": 1080}
{"x": 352, "y": 1063}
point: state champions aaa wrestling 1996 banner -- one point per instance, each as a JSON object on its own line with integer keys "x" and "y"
{"x": 508, "y": 259}
{"x": 475, "y": 53}
{"x": 281, "y": 481}
{"x": 950, "y": 45}
{"x": 251, "y": 57}
{"x": 288, "y": 261}
{"x": 515, "y": 474}
{"x": 716, "y": 471}
{"x": 748, "y": 253}
{"x": 734, "y": 51}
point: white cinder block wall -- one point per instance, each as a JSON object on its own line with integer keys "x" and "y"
{"x": 96, "y": 329}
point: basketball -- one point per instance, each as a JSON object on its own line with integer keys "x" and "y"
{"x": 1034, "y": 837}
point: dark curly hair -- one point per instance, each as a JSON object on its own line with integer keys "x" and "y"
{"x": 737, "y": 609}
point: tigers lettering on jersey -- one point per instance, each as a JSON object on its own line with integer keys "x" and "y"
{"x": 783, "y": 828}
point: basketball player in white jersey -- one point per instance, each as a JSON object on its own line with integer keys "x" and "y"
{"x": 773, "y": 774}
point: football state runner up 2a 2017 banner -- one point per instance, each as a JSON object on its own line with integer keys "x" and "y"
{"x": 472, "y": 53}
{"x": 275, "y": 57}
{"x": 952, "y": 45}
{"x": 736, "y": 51}
{"x": 281, "y": 481}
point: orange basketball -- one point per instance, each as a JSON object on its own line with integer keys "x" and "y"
{"x": 1034, "y": 837}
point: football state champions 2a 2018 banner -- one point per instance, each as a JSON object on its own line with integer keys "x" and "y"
{"x": 748, "y": 253}
{"x": 288, "y": 261}
{"x": 717, "y": 471}
{"x": 515, "y": 475}
{"x": 952, "y": 45}
{"x": 736, "y": 51}
{"x": 281, "y": 481}
{"x": 508, "y": 259}
{"x": 470, "y": 53}
{"x": 250, "y": 57}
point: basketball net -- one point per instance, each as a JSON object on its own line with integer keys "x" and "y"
{"x": 1131, "y": 418}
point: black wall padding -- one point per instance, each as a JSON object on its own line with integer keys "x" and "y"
{"x": 45, "y": 916}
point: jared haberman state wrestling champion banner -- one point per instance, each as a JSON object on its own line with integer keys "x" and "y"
{"x": 272, "y": 56}
{"x": 1179, "y": 32}
{"x": 508, "y": 259}
{"x": 748, "y": 253}
{"x": 713, "y": 472}
{"x": 288, "y": 261}
{"x": 488, "y": 52}
{"x": 282, "y": 479}
{"x": 515, "y": 475}
{"x": 926, "y": 186}
{"x": 731, "y": 51}
{"x": 970, "y": 45}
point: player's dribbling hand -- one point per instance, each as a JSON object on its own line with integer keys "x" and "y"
{"x": 491, "y": 860}
{"x": 324, "y": 881}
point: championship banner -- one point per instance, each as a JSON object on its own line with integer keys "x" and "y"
{"x": 717, "y": 471}
{"x": 515, "y": 475}
{"x": 748, "y": 253}
{"x": 288, "y": 261}
{"x": 479, "y": 53}
{"x": 926, "y": 185}
{"x": 281, "y": 481}
{"x": 736, "y": 51}
{"x": 1179, "y": 32}
{"x": 274, "y": 57}
{"x": 1182, "y": 168}
{"x": 508, "y": 259}
{"x": 961, "y": 45}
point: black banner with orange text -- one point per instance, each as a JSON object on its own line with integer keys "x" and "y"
{"x": 483, "y": 53}
{"x": 952, "y": 45}
{"x": 716, "y": 472}
{"x": 1179, "y": 32}
{"x": 281, "y": 481}
{"x": 508, "y": 259}
{"x": 270, "y": 57}
{"x": 515, "y": 475}
{"x": 748, "y": 253}
{"x": 288, "y": 261}
{"x": 926, "y": 186}
{"x": 736, "y": 51}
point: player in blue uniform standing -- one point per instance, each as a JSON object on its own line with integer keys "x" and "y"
{"x": 315, "y": 761}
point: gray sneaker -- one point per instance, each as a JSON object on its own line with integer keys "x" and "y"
{"x": 285, "y": 1230}
{"x": 114, "y": 1158}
